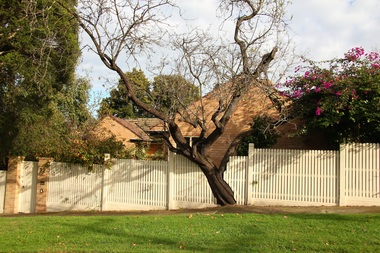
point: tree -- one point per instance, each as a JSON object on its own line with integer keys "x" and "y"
{"x": 239, "y": 63}
{"x": 173, "y": 92}
{"x": 119, "y": 105}
{"x": 165, "y": 94}
{"x": 263, "y": 136}
{"x": 339, "y": 99}
{"x": 39, "y": 93}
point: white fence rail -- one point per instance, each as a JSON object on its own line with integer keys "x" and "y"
{"x": 135, "y": 184}
{"x": 360, "y": 176}
{"x": 3, "y": 179}
{"x": 295, "y": 177}
{"x": 350, "y": 176}
{"x": 72, "y": 187}
{"x": 129, "y": 185}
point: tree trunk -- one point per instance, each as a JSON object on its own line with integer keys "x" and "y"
{"x": 221, "y": 190}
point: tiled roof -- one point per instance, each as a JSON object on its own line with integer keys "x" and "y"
{"x": 132, "y": 126}
{"x": 148, "y": 124}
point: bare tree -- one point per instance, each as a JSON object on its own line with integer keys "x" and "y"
{"x": 134, "y": 27}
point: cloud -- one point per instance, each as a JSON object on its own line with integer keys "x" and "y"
{"x": 327, "y": 29}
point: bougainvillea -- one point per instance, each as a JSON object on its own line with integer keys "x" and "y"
{"x": 340, "y": 97}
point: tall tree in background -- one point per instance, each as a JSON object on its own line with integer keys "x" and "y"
{"x": 119, "y": 105}
{"x": 167, "y": 93}
{"x": 171, "y": 93}
{"x": 133, "y": 28}
{"x": 39, "y": 94}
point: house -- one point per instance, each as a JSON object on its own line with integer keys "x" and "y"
{"x": 255, "y": 102}
{"x": 135, "y": 133}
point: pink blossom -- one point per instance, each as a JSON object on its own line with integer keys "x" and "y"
{"x": 297, "y": 94}
{"x": 318, "y": 111}
{"x": 289, "y": 82}
{"x": 307, "y": 73}
{"x": 354, "y": 53}
{"x": 338, "y": 93}
{"x": 354, "y": 95}
{"x": 373, "y": 56}
{"x": 327, "y": 85}
{"x": 317, "y": 89}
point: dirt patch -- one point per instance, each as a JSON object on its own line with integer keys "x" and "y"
{"x": 222, "y": 210}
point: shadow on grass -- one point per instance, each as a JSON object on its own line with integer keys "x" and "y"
{"x": 148, "y": 235}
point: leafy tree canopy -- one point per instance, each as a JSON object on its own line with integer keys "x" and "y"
{"x": 172, "y": 92}
{"x": 43, "y": 106}
{"x": 118, "y": 103}
{"x": 262, "y": 136}
{"x": 167, "y": 93}
{"x": 340, "y": 97}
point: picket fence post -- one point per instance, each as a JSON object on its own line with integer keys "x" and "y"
{"x": 249, "y": 175}
{"x": 342, "y": 175}
{"x": 105, "y": 182}
{"x": 170, "y": 181}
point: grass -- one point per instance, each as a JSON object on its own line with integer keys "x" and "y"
{"x": 195, "y": 233}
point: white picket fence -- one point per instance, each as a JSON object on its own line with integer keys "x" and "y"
{"x": 129, "y": 185}
{"x": 3, "y": 178}
{"x": 350, "y": 176}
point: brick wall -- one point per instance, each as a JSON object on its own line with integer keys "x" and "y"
{"x": 12, "y": 185}
{"x": 42, "y": 184}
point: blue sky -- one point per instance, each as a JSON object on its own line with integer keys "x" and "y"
{"x": 323, "y": 29}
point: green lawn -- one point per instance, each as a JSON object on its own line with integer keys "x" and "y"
{"x": 196, "y": 233}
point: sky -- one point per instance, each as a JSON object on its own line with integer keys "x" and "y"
{"x": 322, "y": 30}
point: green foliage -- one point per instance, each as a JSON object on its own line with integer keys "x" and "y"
{"x": 87, "y": 149}
{"x": 173, "y": 92}
{"x": 119, "y": 105}
{"x": 262, "y": 136}
{"x": 41, "y": 100}
{"x": 341, "y": 99}
{"x": 80, "y": 145}
{"x": 167, "y": 93}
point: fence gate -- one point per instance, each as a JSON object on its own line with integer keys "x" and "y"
{"x": 28, "y": 187}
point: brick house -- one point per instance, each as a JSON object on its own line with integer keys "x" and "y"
{"x": 255, "y": 102}
{"x": 135, "y": 133}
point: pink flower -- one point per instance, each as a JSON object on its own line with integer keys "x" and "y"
{"x": 338, "y": 93}
{"x": 373, "y": 56}
{"x": 318, "y": 111}
{"x": 317, "y": 89}
{"x": 307, "y": 73}
{"x": 297, "y": 94}
{"x": 327, "y": 85}
{"x": 354, "y": 53}
{"x": 354, "y": 95}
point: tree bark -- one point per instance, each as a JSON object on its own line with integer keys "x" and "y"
{"x": 222, "y": 191}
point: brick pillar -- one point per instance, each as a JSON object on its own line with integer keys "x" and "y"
{"x": 42, "y": 183}
{"x": 12, "y": 187}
